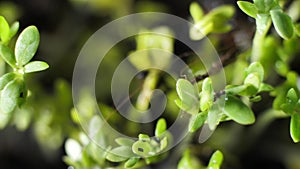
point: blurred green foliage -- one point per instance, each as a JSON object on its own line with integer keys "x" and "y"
{"x": 264, "y": 68}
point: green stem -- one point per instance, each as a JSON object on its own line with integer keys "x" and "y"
{"x": 258, "y": 43}
{"x": 149, "y": 85}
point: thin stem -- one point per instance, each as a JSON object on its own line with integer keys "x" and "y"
{"x": 258, "y": 43}
{"x": 149, "y": 85}
{"x": 226, "y": 59}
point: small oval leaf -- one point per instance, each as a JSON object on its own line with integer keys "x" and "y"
{"x": 214, "y": 115}
{"x": 161, "y": 127}
{"x": 13, "y": 94}
{"x": 131, "y": 162}
{"x": 4, "y": 30}
{"x": 14, "y": 29}
{"x": 26, "y": 45}
{"x": 197, "y": 121}
{"x": 73, "y": 149}
{"x": 248, "y": 8}
{"x": 238, "y": 111}
{"x": 119, "y": 154}
{"x": 282, "y": 23}
{"x": 295, "y": 127}
{"x": 216, "y": 160}
{"x": 207, "y": 95}
{"x": 123, "y": 141}
{"x": 5, "y": 79}
{"x": 36, "y": 66}
{"x": 256, "y": 67}
{"x": 7, "y": 55}
{"x": 142, "y": 148}
{"x": 188, "y": 96}
{"x": 196, "y": 11}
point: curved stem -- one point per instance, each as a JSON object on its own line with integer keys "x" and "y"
{"x": 258, "y": 43}
{"x": 149, "y": 85}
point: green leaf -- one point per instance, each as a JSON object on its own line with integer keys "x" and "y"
{"x": 283, "y": 23}
{"x": 131, "y": 162}
{"x": 214, "y": 115}
{"x": 207, "y": 95}
{"x": 292, "y": 96}
{"x": 297, "y": 29}
{"x": 216, "y": 160}
{"x": 35, "y": 66}
{"x": 123, "y": 141}
{"x": 163, "y": 143}
{"x": 144, "y": 137}
{"x": 73, "y": 149}
{"x": 13, "y": 95}
{"x": 4, "y": 120}
{"x": 188, "y": 96}
{"x": 238, "y": 111}
{"x": 4, "y": 30}
{"x": 248, "y": 8}
{"x": 197, "y": 121}
{"x": 235, "y": 89}
{"x": 220, "y": 16}
{"x": 260, "y": 4}
{"x": 119, "y": 154}
{"x": 14, "y": 29}
{"x": 142, "y": 148}
{"x": 26, "y": 45}
{"x": 5, "y": 79}
{"x": 196, "y": 11}
{"x": 295, "y": 127}
{"x": 161, "y": 127}
{"x": 265, "y": 88}
{"x": 253, "y": 79}
{"x": 189, "y": 161}
{"x": 255, "y": 99}
{"x": 265, "y": 5}
{"x": 256, "y": 67}
{"x": 201, "y": 29}
{"x": 7, "y": 55}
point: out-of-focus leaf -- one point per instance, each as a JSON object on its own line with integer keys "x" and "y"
{"x": 4, "y": 29}
{"x": 13, "y": 95}
{"x": 123, "y": 141}
{"x": 249, "y": 8}
{"x": 188, "y": 96}
{"x": 73, "y": 149}
{"x": 5, "y": 79}
{"x": 131, "y": 162}
{"x": 161, "y": 127}
{"x": 7, "y": 55}
{"x": 207, "y": 95}
{"x": 196, "y": 11}
{"x": 189, "y": 162}
{"x": 14, "y": 29}
{"x": 119, "y": 154}
{"x": 215, "y": 114}
{"x": 142, "y": 148}
{"x": 295, "y": 127}
{"x": 216, "y": 160}
{"x": 197, "y": 121}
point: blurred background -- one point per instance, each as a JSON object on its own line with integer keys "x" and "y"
{"x": 64, "y": 26}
